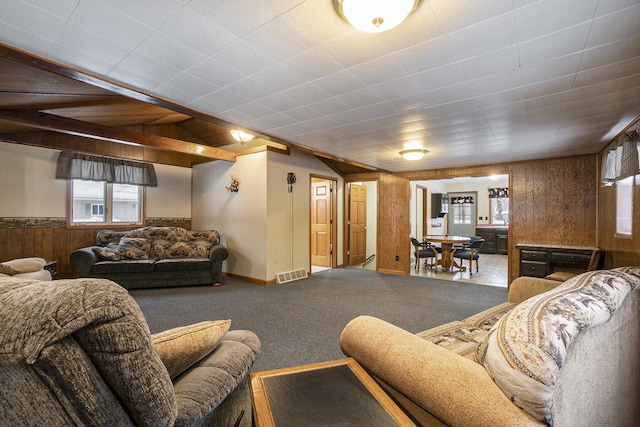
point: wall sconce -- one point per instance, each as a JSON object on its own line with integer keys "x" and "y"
{"x": 241, "y": 136}
{"x": 413, "y": 154}
{"x": 235, "y": 185}
{"x": 374, "y": 16}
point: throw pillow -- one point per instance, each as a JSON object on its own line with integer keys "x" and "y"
{"x": 179, "y": 348}
{"x": 525, "y": 350}
{"x": 27, "y": 265}
{"x": 108, "y": 253}
{"x": 8, "y": 270}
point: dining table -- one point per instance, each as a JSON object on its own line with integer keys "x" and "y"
{"x": 446, "y": 242}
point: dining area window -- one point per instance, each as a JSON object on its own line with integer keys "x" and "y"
{"x": 499, "y": 206}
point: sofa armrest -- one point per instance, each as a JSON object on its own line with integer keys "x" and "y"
{"x": 523, "y": 288}
{"x": 217, "y": 254}
{"x": 452, "y": 388}
{"x": 84, "y": 259}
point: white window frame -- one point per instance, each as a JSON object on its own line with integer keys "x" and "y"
{"x": 624, "y": 207}
{"x": 107, "y": 204}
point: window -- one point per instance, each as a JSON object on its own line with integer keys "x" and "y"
{"x": 461, "y": 213}
{"x": 100, "y": 202}
{"x": 624, "y": 207}
{"x": 499, "y": 210}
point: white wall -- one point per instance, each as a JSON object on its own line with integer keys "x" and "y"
{"x": 265, "y": 228}
{"x": 289, "y": 214}
{"x": 28, "y": 187}
{"x": 240, "y": 218}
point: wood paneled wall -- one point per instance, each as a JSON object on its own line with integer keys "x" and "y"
{"x": 393, "y": 205}
{"x": 54, "y": 242}
{"x": 552, "y": 201}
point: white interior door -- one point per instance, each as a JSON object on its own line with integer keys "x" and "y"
{"x": 462, "y": 214}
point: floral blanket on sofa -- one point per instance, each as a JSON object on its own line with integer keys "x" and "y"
{"x": 155, "y": 243}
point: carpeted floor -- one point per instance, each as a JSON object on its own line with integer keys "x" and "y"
{"x": 300, "y": 322}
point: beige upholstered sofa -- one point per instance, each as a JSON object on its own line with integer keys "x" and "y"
{"x": 79, "y": 352}
{"x": 557, "y": 353}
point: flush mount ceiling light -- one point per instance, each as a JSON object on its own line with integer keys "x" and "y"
{"x": 374, "y": 16}
{"x": 240, "y": 135}
{"x": 413, "y": 154}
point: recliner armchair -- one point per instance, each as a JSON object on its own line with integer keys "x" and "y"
{"x": 79, "y": 352}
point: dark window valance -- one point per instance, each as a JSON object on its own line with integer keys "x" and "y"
{"x": 620, "y": 158}
{"x": 498, "y": 193}
{"x": 98, "y": 168}
{"x": 461, "y": 200}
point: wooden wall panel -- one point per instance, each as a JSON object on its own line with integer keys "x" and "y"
{"x": 553, "y": 201}
{"x": 56, "y": 243}
{"x": 393, "y": 223}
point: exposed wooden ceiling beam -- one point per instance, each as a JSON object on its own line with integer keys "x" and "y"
{"x": 68, "y": 126}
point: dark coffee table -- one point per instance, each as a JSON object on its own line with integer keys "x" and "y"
{"x": 335, "y": 393}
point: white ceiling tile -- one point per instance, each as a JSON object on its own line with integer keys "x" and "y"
{"x": 487, "y": 36}
{"x": 395, "y": 89}
{"x": 244, "y": 17}
{"x": 60, "y": 8}
{"x": 555, "y": 45}
{"x": 215, "y": 72}
{"x": 359, "y": 98}
{"x": 353, "y": 48}
{"x": 279, "y": 102}
{"x": 374, "y": 111}
{"x": 170, "y": 51}
{"x": 289, "y": 42}
{"x": 419, "y": 27}
{"x": 31, "y": 19}
{"x": 191, "y": 84}
{"x": 194, "y": 30}
{"x": 453, "y": 16}
{"x": 278, "y": 77}
{"x": 548, "y": 87}
{"x": 610, "y": 53}
{"x": 542, "y": 71}
{"x": 301, "y": 113}
{"x": 100, "y": 19}
{"x": 412, "y": 103}
{"x": 249, "y": 88}
{"x": 439, "y": 77}
{"x": 317, "y": 21}
{"x": 610, "y": 6}
{"x": 243, "y": 58}
{"x": 425, "y": 56}
{"x": 451, "y": 93}
{"x": 498, "y": 61}
{"x": 306, "y": 93}
{"x": 609, "y": 72}
{"x": 339, "y": 83}
{"x": 329, "y": 106}
{"x": 379, "y": 70}
{"x": 91, "y": 45}
{"x": 507, "y": 97}
{"x": 153, "y": 13}
{"x": 615, "y": 26}
{"x": 313, "y": 64}
{"x": 136, "y": 64}
{"x": 495, "y": 83}
{"x": 545, "y": 17}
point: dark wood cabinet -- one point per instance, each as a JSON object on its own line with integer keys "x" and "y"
{"x": 496, "y": 240}
{"x": 439, "y": 205}
{"x": 542, "y": 260}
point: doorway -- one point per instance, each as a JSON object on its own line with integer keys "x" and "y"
{"x": 323, "y": 206}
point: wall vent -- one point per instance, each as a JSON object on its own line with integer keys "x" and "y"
{"x": 290, "y": 276}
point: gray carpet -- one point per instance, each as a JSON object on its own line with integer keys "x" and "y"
{"x": 300, "y": 322}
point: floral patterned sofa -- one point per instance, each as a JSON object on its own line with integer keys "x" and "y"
{"x": 556, "y": 353}
{"x": 151, "y": 257}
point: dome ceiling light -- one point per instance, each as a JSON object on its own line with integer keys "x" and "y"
{"x": 241, "y": 136}
{"x": 413, "y": 154}
{"x": 374, "y": 16}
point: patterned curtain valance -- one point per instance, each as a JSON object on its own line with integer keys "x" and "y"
{"x": 498, "y": 193}
{"x": 461, "y": 200}
{"x": 620, "y": 158}
{"x": 97, "y": 168}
